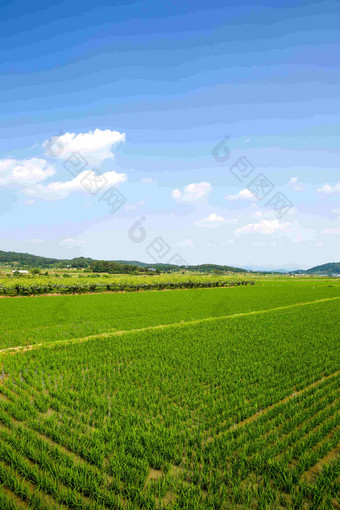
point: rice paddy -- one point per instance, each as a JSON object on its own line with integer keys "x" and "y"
{"x": 202, "y": 398}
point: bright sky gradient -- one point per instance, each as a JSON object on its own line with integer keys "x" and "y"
{"x": 144, "y": 91}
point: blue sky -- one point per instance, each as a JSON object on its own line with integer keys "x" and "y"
{"x": 143, "y": 92}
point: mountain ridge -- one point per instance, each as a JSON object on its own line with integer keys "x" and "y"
{"x": 329, "y": 268}
{"x": 27, "y": 259}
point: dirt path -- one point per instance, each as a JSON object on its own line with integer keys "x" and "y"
{"x": 331, "y": 456}
{"x": 111, "y": 333}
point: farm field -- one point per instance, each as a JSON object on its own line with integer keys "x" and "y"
{"x": 26, "y": 321}
{"x": 204, "y": 411}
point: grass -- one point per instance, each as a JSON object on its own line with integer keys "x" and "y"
{"x": 238, "y": 412}
{"x": 26, "y": 321}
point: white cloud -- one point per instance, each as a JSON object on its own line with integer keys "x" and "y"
{"x": 24, "y": 172}
{"x": 244, "y": 194}
{"x": 292, "y": 231}
{"x": 28, "y": 174}
{"x": 193, "y": 192}
{"x": 93, "y": 145}
{"x": 294, "y": 183}
{"x": 188, "y": 243}
{"x": 213, "y": 221}
{"x": 81, "y": 183}
{"x": 266, "y": 213}
{"x": 327, "y": 188}
{"x": 331, "y": 231}
{"x": 265, "y": 227}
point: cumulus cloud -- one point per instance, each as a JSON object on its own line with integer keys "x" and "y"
{"x": 193, "y": 192}
{"x": 328, "y": 189}
{"x": 293, "y": 231}
{"x": 84, "y": 183}
{"x": 213, "y": 221}
{"x": 263, "y": 214}
{"x": 94, "y": 145}
{"x": 25, "y": 171}
{"x": 265, "y": 227}
{"x": 244, "y": 194}
{"x": 294, "y": 183}
{"x": 28, "y": 174}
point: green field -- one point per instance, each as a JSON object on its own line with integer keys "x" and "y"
{"x": 45, "y": 319}
{"x": 223, "y": 398}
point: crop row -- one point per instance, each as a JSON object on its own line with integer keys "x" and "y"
{"x": 192, "y": 415}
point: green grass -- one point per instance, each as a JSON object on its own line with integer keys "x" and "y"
{"x": 45, "y": 319}
{"x": 237, "y": 412}
{"x": 159, "y": 418}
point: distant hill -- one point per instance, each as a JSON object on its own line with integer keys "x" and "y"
{"x": 331, "y": 268}
{"x": 214, "y": 268}
{"x": 201, "y": 268}
{"x": 127, "y": 266}
{"x": 25, "y": 259}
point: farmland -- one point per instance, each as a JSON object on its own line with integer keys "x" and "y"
{"x": 56, "y": 318}
{"x": 195, "y": 398}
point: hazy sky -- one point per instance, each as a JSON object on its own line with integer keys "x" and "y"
{"x": 202, "y": 130}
